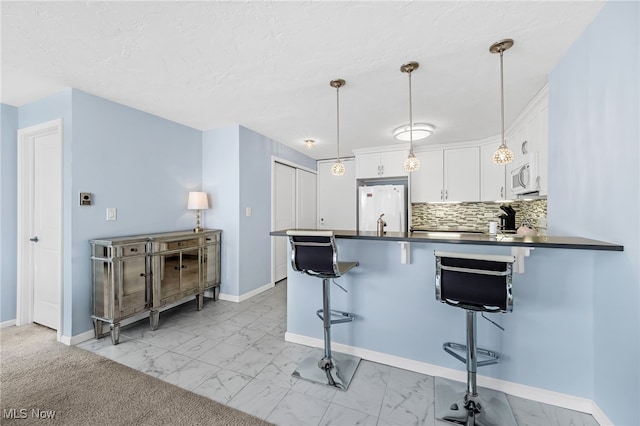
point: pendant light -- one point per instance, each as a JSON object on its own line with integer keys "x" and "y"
{"x": 411, "y": 164}
{"x": 503, "y": 155}
{"x": 338, "y": 168}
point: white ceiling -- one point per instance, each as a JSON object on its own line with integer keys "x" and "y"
{"x": 267, "y": 65}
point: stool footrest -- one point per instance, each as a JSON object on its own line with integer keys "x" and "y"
{"x": 491, "y": 357}
{"x": 340, "y": 316}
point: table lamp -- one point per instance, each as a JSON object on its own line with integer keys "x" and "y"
{"x": 197, "y": 201}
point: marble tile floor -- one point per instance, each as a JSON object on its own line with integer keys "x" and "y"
{"x": 235, "y": 353}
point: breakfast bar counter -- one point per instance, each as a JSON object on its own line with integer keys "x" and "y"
{"x": 475, "y": 238}
{"x": 399, "y": 322}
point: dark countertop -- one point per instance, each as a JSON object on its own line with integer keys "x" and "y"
{"x": 546, "y": 241}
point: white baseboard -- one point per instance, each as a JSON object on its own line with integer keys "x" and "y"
{"x": 523, "y": 391}
{"x": 245, "y": 296}
{"x": 9, "y": 323}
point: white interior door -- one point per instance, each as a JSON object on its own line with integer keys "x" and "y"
{"x": 306, "y": 190}
{"x": 284, "y": 199}
{"x": 40, "y": 225}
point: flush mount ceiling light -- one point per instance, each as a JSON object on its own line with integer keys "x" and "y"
{"x": 503, "y": 155}
{"x": 309, "y": 143}
{"x": 420, "y": 131}
{"x": 411, "y": 164}
{"x": 338, "y": 168}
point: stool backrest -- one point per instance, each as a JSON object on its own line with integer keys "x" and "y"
{"x": 314, "y": 252}
{"x": 474, "y": 281}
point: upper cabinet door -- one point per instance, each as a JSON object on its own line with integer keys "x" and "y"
{"x": 392, "y": 163}
{"x": 427, "y": 182}
{"x": 368, "y": 166}
{"x": 384, "y": 164}
{"x": 462, "y": 174}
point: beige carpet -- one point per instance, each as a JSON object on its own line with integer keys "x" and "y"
{"x": 82, "y": 388}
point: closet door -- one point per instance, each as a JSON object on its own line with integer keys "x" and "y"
{"x": 306, "y": 190}
{"x": 284, "y": 199}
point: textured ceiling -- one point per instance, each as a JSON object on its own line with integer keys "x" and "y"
{"x": 267, "y": 65}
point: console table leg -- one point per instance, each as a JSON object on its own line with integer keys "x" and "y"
{"x": 154, "y": 319}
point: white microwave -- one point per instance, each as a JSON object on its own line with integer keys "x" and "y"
{"x": 524, "y": 177}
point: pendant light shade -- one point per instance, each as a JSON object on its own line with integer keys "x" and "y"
{"x": 503, "y": 155}
{"x": 338, "y": 168}
{"x": 411, "y": 164}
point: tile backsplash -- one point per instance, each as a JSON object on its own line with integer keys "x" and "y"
{"x": 474, "y": 215}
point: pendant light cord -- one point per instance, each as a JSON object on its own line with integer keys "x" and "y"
{"x": 410, "y": 118}
{"x": 338, "y": 122}
{"x": 503, "y": 142}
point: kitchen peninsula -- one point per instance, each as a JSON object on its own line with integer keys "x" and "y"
{"x": 398, "y": 321}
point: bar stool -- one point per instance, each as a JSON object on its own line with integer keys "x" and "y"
{"x": 315, "y": 253}
{"x": 475, "y": 283}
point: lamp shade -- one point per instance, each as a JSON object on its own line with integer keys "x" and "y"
{"x": 198, "y": 201}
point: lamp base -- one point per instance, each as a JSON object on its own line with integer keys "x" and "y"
{"x": 197, "y": 229}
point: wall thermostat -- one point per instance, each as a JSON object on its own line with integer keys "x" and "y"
{"x": 85, "y": 198}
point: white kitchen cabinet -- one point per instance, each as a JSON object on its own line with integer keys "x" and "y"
{"x": 462, "y": 174}
{"x": 529, "y": 134}
{"x": 447, "y": 175}
{"x": 427, "y": 183}
{"x": 381, "y": 164}
{"x": 543, "y": 148}
{"x": 337, "y": 196}
{"x": 492, "y": 176}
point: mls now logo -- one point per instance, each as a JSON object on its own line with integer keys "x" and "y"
{"x": 23, "y": 413}
{"x": 14, "y": 413}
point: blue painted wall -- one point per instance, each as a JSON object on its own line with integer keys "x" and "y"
{"x": 397, "y": 313}
{"x": 144, "y": 166}
{"x": 236, "y": 171}
{"x": 255, "y": 192}
{"x": 220, "y": 171}
{"x": 138, "y": 163}
{"x": 594, "y": 138}
{"x": 8, "y": 212}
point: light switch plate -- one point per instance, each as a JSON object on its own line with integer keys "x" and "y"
{"x": 111, "y": 213}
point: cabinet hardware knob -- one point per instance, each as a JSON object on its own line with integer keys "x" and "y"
{"x": 34, "y": 239}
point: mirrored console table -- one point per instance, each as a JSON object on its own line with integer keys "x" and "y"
{"x": 134, "y": 274}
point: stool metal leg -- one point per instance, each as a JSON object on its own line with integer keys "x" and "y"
{"x": 326, "y": 321}
{"x": 470, "y": 407}
{"x": 335, "y": 370}
{"x": 472, "y": 355}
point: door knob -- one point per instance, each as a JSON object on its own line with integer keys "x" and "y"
{"x": 34, "y": 239}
